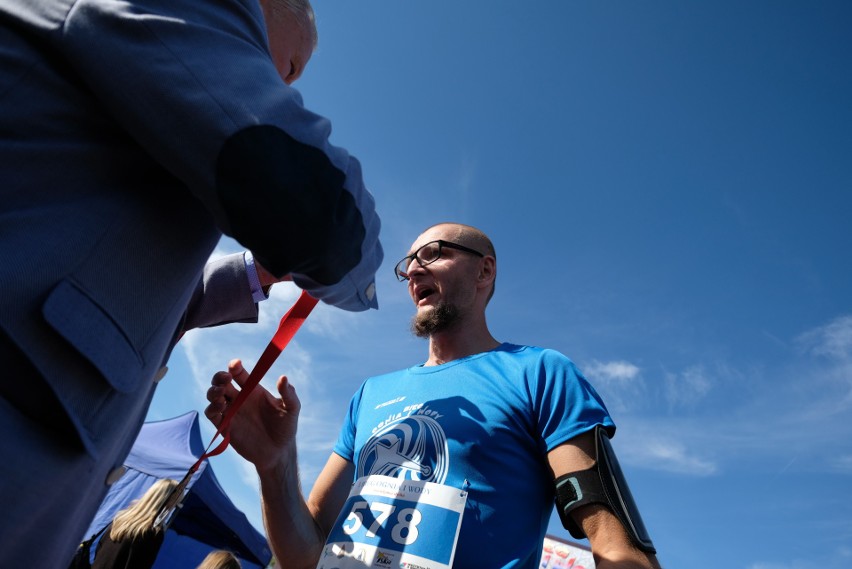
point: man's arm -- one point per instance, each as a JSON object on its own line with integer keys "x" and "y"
{"x": 610, "y": 543}
{"x": 222, "y": 295}
{"x": 297, "y": 530}
{"x": 194, "y": 85}
{"x": 263, "y": 432}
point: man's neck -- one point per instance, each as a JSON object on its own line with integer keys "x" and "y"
{"x": 458, "y": 343}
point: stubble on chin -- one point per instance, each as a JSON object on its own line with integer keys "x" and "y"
{"x": 440, "y": 318}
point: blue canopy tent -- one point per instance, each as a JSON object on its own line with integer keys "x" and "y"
{"x": 208, "y": 519}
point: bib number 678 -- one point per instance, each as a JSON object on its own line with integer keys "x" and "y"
{"x": 404, "y": 529}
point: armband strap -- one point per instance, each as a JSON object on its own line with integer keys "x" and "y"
{"x": 603, "y": 483}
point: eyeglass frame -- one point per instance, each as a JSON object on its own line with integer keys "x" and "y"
{"x": 414, "y": 257}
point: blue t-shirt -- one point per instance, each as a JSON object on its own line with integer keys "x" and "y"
{"x": 484, "y": 424}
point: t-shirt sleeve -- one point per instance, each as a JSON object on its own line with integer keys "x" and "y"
{"x": 345, "y": 445}
{"x": 566, "y": 405}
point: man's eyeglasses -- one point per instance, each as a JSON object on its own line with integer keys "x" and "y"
{"x": 428, "y": 254}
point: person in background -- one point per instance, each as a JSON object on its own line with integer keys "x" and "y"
{"x": 133, "y": 136}
{"x": 132, "y": 540}
{"x": 457, "y": 460}
{"x": 220, "y": 559}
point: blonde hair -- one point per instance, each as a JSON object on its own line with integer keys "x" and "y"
{"x": 138, "y": 519}
{"x": 220, "y": 559}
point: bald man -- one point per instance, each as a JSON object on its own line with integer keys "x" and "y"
{"x": 454, "y": 461}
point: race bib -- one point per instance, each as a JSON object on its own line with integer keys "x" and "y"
{"x": 393, "y": 522}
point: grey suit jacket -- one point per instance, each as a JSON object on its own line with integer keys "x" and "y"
{"x": 132, "y": 136}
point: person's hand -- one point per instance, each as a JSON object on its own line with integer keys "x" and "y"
{"x": 264, "y": 427}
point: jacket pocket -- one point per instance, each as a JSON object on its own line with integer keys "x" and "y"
{"x": 95, "y": 334}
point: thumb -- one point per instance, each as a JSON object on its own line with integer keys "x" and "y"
{"x": 289, "y": 399}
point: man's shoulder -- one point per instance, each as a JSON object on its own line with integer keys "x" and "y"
{"x": 533, "y": 352}
{"x": 386, "y": 376}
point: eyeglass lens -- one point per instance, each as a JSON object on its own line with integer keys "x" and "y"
{"x": 428, "y": 253}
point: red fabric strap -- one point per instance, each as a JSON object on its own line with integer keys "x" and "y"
{"x": 290, "y": 323}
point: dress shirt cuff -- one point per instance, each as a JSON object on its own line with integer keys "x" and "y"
{"x": 258, "y": 293}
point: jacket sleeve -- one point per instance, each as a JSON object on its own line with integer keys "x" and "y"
{"x": 193, "y": 83}
{"x": 222, "y": 295}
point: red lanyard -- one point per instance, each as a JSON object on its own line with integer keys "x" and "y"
{"x": 287, "y": 328}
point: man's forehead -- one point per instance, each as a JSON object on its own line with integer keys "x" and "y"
{"x": 445, "y": 232}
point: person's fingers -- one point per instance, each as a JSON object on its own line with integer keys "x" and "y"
{"x": 239, "y": 373}
{"x": 222, "y": 387}
{"x": 289, "y": 399}
{"x": 219, "y": 380}
{"x": 215, "y": 412}
{"x": 222, "y": 391}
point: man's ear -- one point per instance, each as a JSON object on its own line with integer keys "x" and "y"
{"x": 487, "y": 270}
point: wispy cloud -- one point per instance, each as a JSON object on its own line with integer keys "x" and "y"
{"x": 793, "y": 564}
{"x": 837, "y": 557}
{"x": 833, "y": 340}
{"x": 618, "y": 382}
{"x": 688, "y": 386}
{"x": 618, "y": 371}
{"x": 830, "y": 346}
{"x": 842, "y": 463}
{"x": 772, "y": 413}
{"x": 645, "y": 445}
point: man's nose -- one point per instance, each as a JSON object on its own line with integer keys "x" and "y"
{"x": 413, "y": 267}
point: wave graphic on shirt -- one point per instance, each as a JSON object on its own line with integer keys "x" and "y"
{"x": 413, "y": 448}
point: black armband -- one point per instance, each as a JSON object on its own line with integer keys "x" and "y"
{"x": 603, "y": 483}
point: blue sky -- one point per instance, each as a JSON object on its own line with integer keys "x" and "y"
{"x": 669, "y": 188}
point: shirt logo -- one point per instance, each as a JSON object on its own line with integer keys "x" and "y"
{"x": 412, "y": 448}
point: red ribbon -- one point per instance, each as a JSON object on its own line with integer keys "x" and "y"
{"x": 287, "y": 328}
{"x": 290, "y": 323}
